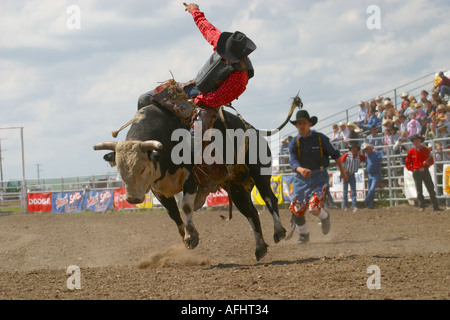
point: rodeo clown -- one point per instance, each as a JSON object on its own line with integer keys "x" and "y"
{"x": 309, "y": 158}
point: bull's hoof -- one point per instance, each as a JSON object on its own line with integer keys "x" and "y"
{"x": 191, "y": 243}
{"x": 191, "y": 239}
{"x": 280, "y": 235}
{"x": 261, "y": 252}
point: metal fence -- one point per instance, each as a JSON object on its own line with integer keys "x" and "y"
{"x": 391, "y": 186}
{"x": 13, "y": 196}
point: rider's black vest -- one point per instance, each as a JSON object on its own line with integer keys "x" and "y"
{"x": 216, "y": 71}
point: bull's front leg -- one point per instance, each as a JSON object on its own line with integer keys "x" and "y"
{"x": 191, "y": 238}
{"x": 172, "y": 209}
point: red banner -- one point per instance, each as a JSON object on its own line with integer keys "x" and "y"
{"x": 220, "y": 198}
{"x": 39, "y": 202}
{"x": 119, "y": 199}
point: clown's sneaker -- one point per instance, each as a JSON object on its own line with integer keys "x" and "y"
{"x": 303, "y": 238}
{"x": 326, "y": 224}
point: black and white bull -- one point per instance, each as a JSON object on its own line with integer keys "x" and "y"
{"x": 144, "y": 161}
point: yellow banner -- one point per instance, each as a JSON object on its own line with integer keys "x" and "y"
{"x": 148, "y": 203}
{"x": 276, "y": 183}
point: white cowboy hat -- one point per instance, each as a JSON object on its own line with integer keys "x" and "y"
{"x": 366, "y": 146}
{"x": 387, "y": 122}
{"x": 351, "y": 124}
{"x": 405, "y": 95}
{"x": 342, "y": 124}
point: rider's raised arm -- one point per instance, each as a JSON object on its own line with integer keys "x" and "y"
{"x": 209, "y": 32}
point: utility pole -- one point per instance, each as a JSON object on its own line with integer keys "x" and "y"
{"x": 1, "y": 165}
{"x": 38, "y": 172}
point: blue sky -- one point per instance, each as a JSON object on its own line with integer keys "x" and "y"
{"x": 70, "y": 88}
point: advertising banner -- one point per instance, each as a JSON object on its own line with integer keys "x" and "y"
{"x": 276, "y": 182}
{"x": 220, "y": 198}
{"x": 288, "y": 188}
{"x": 119, "y": 200}
{"x": 67, "y": 202}
{"x": 337, "y": 186}
{"x": 98, "y": 201}
{"x": 446, "y": 180}
{"x": 39, "y": 202}
{"x": 410, "y": 186}
{"x": 148, "y": 203}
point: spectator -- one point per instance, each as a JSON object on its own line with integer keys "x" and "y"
{"x": 420, "y": 111}
{"x": 403, "y": 123}
{"x": 412, "y": 101}
{"x": 352, "y": 162}
{"x": 344, "y": 133}
{"x": 351, "y": 128}
{"x": 374, "y": 138}
{"x": 390, "y": 111}
{"x": 430, "y": 133}
{"x": 409, "y": 109}
{"x": 418, "y": 160}
{"x": 413, "y": 125}
{"x": 373, "y": 168}
{"x": 381, "y": 111}
{"x": 362, "y": 114}
{"x": 430, "y": 110}
{"x": 423, "y": 97}
{"x": 379, "y": 100}
{"x": 372, "y": 121}
{"x": 443, "y": 85}
{"x": 423, "y": 126}
{"x": 404, "y": 96}
{"x": 436, "y": 99}
{"x": 440, "y": 113}
{"x": 335, "y": 135}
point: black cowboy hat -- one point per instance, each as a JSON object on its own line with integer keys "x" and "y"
{"x": 234, "y": 46}
{"x": 354, "y": 144}
{"x": 304, "y": 115}
{"x": 417, "y": 136}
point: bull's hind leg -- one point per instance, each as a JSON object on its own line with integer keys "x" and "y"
{"x": 262, "y": 182}
{"x": 243, "y": 201}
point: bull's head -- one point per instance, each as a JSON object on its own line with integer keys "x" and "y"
{"x": 134, "y": 163}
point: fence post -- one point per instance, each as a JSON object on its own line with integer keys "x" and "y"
{"x": 395, "y": 98}
{"x": 388, "y": 154}
{"x": 433, "y": 145}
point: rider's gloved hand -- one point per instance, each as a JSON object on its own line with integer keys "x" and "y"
{"x": 191, "y": 6}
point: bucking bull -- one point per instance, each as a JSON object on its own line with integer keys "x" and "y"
{"x": 145, "y": 162}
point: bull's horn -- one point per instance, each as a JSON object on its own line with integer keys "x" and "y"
{"x": 150, "y": 145}
{"x": 106, "y": 146}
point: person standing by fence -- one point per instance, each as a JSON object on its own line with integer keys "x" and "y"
{"x": 373, "y": 168}
{"x": 352, "y": 161}
{"x": 419, "y": 160}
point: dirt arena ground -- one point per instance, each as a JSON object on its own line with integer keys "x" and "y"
{"x": 141, "y": 256}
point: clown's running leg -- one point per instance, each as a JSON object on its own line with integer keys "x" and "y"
{"x": 316, "y": 208}
{"x": 298, "y": 220}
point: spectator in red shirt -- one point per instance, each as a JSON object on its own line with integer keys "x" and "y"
{"x": 444, "y": 85}
{"x": 418, "y": 160}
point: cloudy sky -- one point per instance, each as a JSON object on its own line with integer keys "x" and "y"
{"x": 69, "y": 88}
